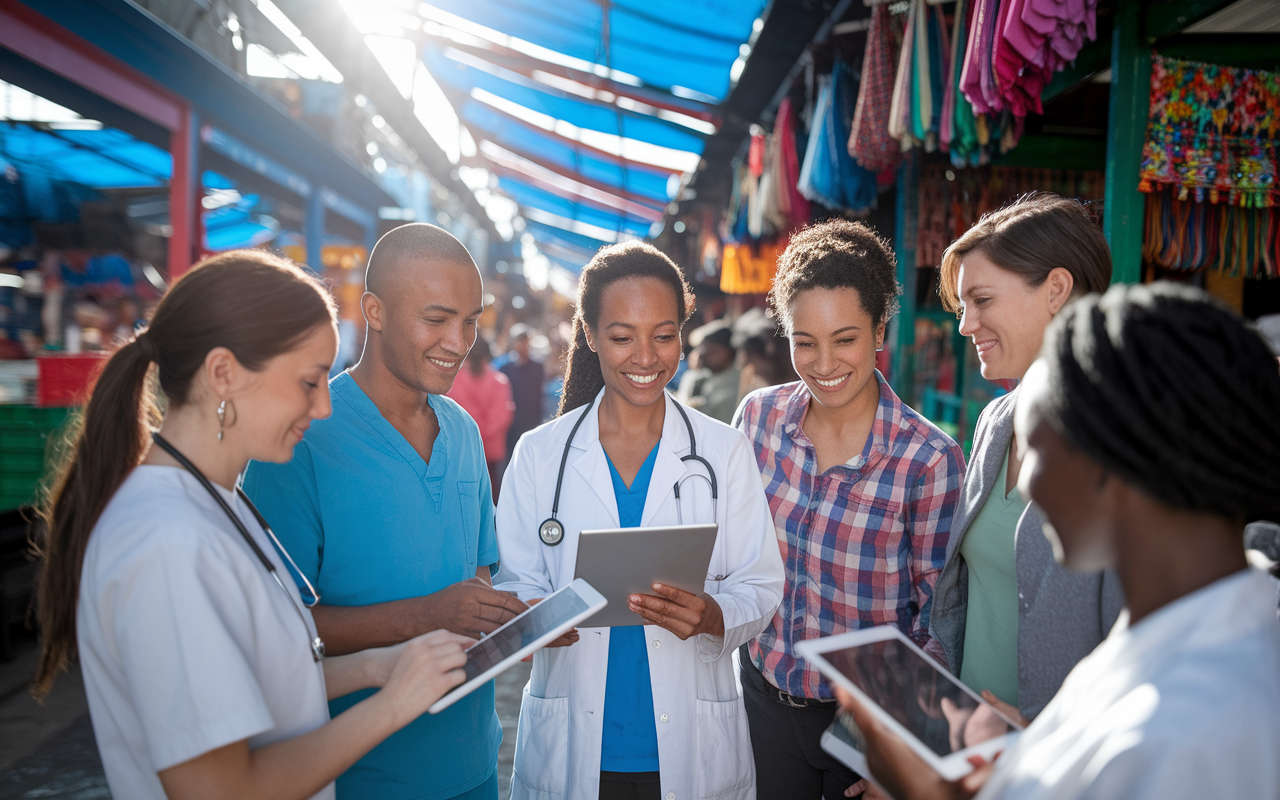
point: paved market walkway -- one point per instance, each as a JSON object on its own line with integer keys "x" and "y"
{"x": 49, "y": 751}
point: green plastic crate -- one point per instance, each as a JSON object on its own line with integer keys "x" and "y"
{"x": 24, "y": 444}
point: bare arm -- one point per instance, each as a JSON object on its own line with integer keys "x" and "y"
{"x": 470, "y": 608}
{"x": 367, "y": 669}
{"x": 297, "y": 768}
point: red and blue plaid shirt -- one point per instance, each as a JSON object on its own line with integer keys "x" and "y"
{"x": 863, "y": 542}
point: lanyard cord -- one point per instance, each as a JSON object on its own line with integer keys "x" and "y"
{"x": 317, "y": 646}
{"x": 208, "y": 487}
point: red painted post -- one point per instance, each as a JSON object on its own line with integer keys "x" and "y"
{"x": 184, "y": 194}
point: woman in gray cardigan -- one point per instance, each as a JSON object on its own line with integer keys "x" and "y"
{"x": 1009, "y": 620}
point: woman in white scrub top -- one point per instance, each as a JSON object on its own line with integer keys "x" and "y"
{"x": 203, "y": 670}
{"x": 675, "y": 726}
{"x": 1149, "y": 438}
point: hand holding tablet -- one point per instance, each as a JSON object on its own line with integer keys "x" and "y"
{"x": 539, "y": 625}
{"x": 940, "y": 721}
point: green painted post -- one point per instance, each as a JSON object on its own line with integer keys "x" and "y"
{"x": 904, "y": 248}
{"x": 1126, "y": 130}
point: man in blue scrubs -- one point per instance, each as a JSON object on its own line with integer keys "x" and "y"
{"x": 386, "y": 507}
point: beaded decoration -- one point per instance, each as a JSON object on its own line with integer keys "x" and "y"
{"x": 1211, "y": 133}
{"x": 1209, "y": 167}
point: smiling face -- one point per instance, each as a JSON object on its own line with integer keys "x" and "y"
{"x": 637, "y": 338}
{"x": 427, "y": 322}
{"x": 833, "y": 345}
{"x": 1004, "y": 315}
{"x": 1072, "y": 489}
{"x": 278, "y": 403}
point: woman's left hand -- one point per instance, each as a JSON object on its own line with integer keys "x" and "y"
{"x": 903, "y": 773}
{"x": 683, "y": 613}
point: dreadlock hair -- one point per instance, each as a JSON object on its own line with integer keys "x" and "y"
{"x": 838, "y": 254}
{"x": 583, "y": 378}
{"x": 1172, "y": 392}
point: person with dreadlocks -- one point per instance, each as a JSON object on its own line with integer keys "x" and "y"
{"x": 1148, "y": 434}
{"x": 637, "y": 712}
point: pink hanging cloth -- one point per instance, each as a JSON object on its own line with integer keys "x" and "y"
{"x": 784, "y": 131}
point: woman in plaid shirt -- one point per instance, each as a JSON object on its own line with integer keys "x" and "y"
{"x": 861, "y": 488}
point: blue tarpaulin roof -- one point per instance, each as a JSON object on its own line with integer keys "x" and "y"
{"x": 489, "y": 123}
{"x": 576, "y": 111}
{"x": 670, "y": 64}
{"x": 527, "y": 195}
{"x": 100, "y": 159}
{"x": 665, "y": 43}
{"x": 107, "y": 158}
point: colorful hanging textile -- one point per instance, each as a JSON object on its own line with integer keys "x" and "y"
{"x": 748, "y": 269}
{"x": 869, "y": 140}
{"x": 1212, "y": 133}
{"x": 923, "y": 74}
{"x": 793, "y": 207}
{"x": 1209, "y": 164}
{"x": 829, "y": 175}
{"x": 1188, "y": 236}
{"x": 951, "y": 201}
{"x": 1014, "y": 47}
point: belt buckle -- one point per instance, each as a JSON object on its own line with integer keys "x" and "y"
{"x": 789, "y": 700}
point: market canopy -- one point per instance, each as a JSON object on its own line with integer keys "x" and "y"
{"x": 590, "y": 113}
{"x": 106, "y": 158}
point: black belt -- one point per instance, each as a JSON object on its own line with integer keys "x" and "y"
{"x": 761, "y": 683}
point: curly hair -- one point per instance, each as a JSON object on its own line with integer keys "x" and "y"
{"x": 583, "y": 378}
{"x": 838, "y": 254}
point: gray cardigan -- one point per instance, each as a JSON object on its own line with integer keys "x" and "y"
{"x": 1062, "y": 615}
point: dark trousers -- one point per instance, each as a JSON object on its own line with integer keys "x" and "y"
{"x": 790, "y": 761}
{"x": 630, "y": 786}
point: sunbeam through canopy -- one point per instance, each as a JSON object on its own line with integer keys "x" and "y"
{"x": 588, "y": 114}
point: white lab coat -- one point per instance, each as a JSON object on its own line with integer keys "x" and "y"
{"x": 703, "y": 745}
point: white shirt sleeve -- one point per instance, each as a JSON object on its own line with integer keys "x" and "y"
{"x": 752, "y": 591}
{"x": 522, "y": 569}
{"x": 182, "y": 624}
{"x": 1225, "y": 765}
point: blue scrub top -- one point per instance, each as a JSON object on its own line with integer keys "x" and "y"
{"x": 368, "y": 521}
{"x": 630, "y": 732}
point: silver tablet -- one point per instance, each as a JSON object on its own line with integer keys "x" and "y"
{"x": 532, "y": 629}
{"x": 843, "y": 740}
{"x": 941, "y": 719}
{"x": 620, "y": 562}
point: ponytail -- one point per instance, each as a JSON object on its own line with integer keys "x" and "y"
{"x": 257, "y": 306}
{"x": 583, "y": 379}
{"x": 112, "y": 441}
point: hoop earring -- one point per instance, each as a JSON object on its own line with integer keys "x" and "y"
{"x": 222, "y": 418}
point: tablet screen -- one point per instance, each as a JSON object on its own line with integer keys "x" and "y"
{"x": 554, "y": 611}
{"x": 922, "y": 698}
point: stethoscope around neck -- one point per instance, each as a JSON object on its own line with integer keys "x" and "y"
{"x": 315, "y": 642}
{"x": 551, "y": 532}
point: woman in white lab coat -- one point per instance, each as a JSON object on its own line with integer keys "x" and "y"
{"x": 583, "y": 735}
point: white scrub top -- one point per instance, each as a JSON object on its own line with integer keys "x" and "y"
{"x": 1184, "y": 704}
{"x": 186, "y": 643}
{"x": 704, "y": 749}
